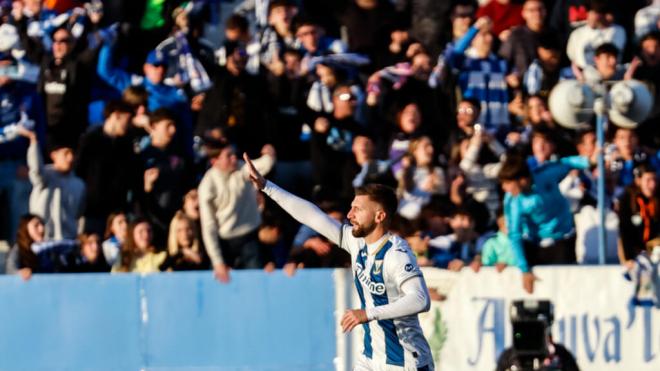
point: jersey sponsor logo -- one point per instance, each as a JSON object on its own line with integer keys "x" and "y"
{"x": 363, "y": 277}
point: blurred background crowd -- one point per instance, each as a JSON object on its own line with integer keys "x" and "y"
{"x": 122, "y": 125}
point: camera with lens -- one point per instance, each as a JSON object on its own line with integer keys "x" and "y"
{"x": 531, "y": 321}
{"x": 533, "y": 348}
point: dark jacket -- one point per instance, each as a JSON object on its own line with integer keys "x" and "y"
{"x": 111, "y": 171}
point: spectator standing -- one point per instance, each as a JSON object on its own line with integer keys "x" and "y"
{"x": 166, "y": 174}
{"x": 109, "y": 167}
{"x": 229, "y": 213}
{"x": 58, "y": 195}
{"x": 64, "y": 85}
{"x": 519, "y": 49}
{"x": 599, "y": 30}
{"x": 482, "y": 75}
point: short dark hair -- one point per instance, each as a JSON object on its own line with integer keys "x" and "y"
{"x": 161, "y": 114}
{"x": 607, "y": 48}
{"x": 514, "y": 168}
{"x": 237, "y": 22}
{"x": 642, "y": 169}
{"x": 116, "y": 106}
{"x": 599, "y": 6}
{"x": 382, "y": 195}
{"x": 215, "y": 147}
{"x": 549, "y": 41}
{"x": 545, "y": 133}
{"x": 653, "y": 35}
{"x": 277, "y": 3}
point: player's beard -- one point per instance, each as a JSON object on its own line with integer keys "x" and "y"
{"x": 360, "y": 230}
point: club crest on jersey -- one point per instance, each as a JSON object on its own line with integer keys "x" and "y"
{"x": 373, "y": 287}
{"x": 378, "y": 267}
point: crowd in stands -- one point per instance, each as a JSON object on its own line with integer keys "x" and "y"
{"x": 123, "y": 125}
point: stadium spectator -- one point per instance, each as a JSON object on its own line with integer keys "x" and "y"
{"x": 639, "y": 218}
{"x": 365, "y": 168}
{"x": 166, "y": 174}
{"x": 497, "y": 250}
{"x": 229, "y": 214}
{"x": 160, "y": 95}
{"x": 460, "y": 248}
{"x": 32, "y": 253}
{"x": 624, "y": 154}
{"x": 108, "y": 165}
{"x": 237, "y": 107}
{"x": 58, "y": 195}
{"x": 606, "y": 67}
{"x": 116, "y": 232}
{"x": 420, "y": 178}
{"x": 598, "y": 30}
{"x": 184, "y": 250}
{"x": 544, "y": 72}
{"x": 88, "y": 258}
{"x": 481, "y": 176}
{"x": 519, "y": 49}
{"x": 64, "y": 85}
{"x": 409, "y": 125}
{"x": 314, "y": 42}
{"x": 332, "y": 140}
{"x": 505, "y": 15}
{"x": 138, "y": 254}
{"x": 21, "y": 107}
{"x": 482, "y": 75}
{"x": 646, "y": 19}
{"x": 367, "y": 24}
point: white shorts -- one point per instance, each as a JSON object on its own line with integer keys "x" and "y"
{"x": 366, "y": 364}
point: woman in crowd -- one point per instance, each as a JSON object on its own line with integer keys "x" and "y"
{"x": 184, "y": 248}
{"x": 115, "y": 237}
{"x": 420, "y": 178}
{"x": 138, "y": 253}
{"x": 32, "y": 254}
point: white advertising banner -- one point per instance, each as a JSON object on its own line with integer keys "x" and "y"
{"x": 470, "y": 327}
{"x": 593, "y": 317}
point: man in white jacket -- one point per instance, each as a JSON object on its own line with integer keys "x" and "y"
{"x": 229, "y": 211}
{"x": 57, "y": 193}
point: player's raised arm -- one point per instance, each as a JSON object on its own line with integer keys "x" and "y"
{"x": 303, "y": 211}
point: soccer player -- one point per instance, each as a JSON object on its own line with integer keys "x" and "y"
{"x": 389, "y": 282}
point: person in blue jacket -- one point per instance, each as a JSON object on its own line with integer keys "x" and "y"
{"x": 537, "y": 228}
{"x": 547, "y": 170}
{"x": 161, "y": 95}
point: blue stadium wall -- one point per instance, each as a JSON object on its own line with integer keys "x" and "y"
{"x": 180, "y": 321}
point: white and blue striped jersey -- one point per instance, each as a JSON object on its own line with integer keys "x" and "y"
{"x": 379, "y": 271}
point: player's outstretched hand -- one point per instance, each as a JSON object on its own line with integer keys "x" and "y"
{"x": 255, "y": 177}
{"x": 352, "y": 318}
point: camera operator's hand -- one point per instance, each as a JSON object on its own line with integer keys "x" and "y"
{"x": 528, "y": 282}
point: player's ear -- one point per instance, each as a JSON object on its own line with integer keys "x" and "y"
{"x": 380, "y": 216}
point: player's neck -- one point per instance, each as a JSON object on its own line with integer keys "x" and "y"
{"x": 375, "y": 235}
